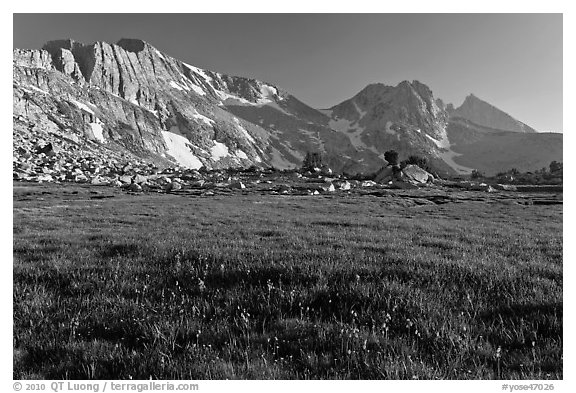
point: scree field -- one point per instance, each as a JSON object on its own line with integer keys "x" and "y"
{"x": 109, "y": 285}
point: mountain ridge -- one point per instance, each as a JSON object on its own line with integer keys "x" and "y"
{"x": 167, "y": 111}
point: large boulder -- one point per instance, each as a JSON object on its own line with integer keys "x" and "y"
{"x": 415, "y": 174}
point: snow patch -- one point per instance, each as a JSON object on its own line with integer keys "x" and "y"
{"x": 227, "y": 96}
{"x": 179, "y": 149}
{"x": 200, "y": 72}
{"x": 160, "y": 55}
{"x": 443, "y": 143}
{"x": 37, "y": 89}
{"x": 448, "y": 155}
{"x": 354, "y": 133}
{"x": 154, "y": 112}
{"x": 178, "y": 86}
{"x": 203, "y": 118}
{"x": 219, "y": 150}
{"x": 241, "y": 154}
{"x": 197, "y": 89}
{"x": 267, "y": 94}
{"x": 97, "y": 131}
{"x": 82, "y": 106}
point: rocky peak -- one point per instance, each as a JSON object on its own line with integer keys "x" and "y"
{"x": 484, "y": 114}
{"x": 55, "y": 45}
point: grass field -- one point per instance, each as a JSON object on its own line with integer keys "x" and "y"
{"x": 270, "y": 286}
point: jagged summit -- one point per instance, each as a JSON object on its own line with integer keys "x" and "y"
{"x": 131, "y": 44}
{"x": 67, "y": 43}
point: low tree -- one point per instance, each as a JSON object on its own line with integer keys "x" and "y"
{"x": 555, "y": 167}
{"x": 391, "y": 156}
{"x": 311, "y": 161}
{"x": 421, "y": 162}
{"x": 476, "y": 174}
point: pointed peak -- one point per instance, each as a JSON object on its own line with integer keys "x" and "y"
{"x": 404, "y": 83}
{"x": 472, "y": 99}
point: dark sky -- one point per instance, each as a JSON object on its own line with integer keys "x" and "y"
{"x": 513, "y": 61}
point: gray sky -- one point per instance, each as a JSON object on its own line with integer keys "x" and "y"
{"x": 513, "y": 61}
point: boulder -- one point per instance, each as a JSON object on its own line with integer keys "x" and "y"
{"x": 100, "y": 180}
{"x": 80, "y": 178}
{"x": 48, "y": 149}
{"x": 415, "y": 174}
{"x": 115, "y": 183}
{"x": 134, "y": 187}
{"x": 139, "y": 179}
{"x": 174, "y": 186}
{"x": 20, "y": 175}
{"x": 368, "y": 183}
{"x": 345, "y": 186}
{"x": 284, "y": 189}
{"x": 44, "y": 177}
{"x": 329, "y": 188}
{"x": 197, "y": 183}
{"x": 237, "y": 185}
{"x": 125, "y": 179}
{"x": 506, "y": 187}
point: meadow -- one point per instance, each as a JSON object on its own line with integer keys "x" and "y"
{"x": 108, "y": 285}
